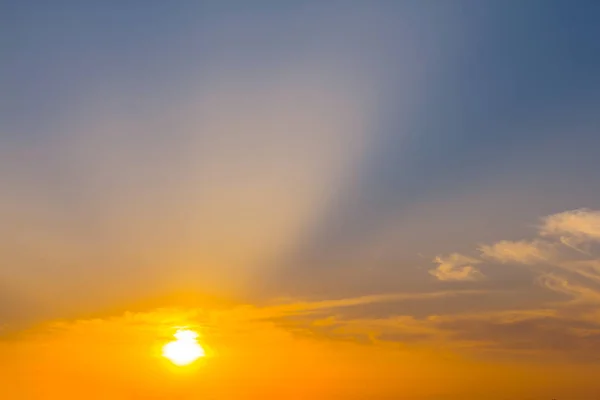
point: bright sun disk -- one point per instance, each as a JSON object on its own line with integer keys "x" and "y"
{"x": 185, "y": 349}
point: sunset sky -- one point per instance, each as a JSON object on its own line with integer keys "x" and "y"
{"x": 345, "y": 200}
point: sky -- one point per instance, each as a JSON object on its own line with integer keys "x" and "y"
{"x": 346, "y": 199}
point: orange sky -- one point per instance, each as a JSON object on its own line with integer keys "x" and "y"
{"x": 346, "y": 200}
{"x": 252, "y": 353}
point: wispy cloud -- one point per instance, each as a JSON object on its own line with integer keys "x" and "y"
{"x": 574, "y": 229}
{"x": 568, "y": 326}
{"x": 579, "y": 294}
{"x": 456, "y": 267}
{"x": 525, "y": 252}
{"x": 583, "y": 224}
{"x": 553, "y": 247}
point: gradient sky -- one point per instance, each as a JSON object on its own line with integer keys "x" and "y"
{"x": 346, "y": 199}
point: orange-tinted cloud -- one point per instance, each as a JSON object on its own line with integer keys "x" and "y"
{"x": 456, "y": 267}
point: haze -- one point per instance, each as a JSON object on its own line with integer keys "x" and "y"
{"x": 344, "y": 200}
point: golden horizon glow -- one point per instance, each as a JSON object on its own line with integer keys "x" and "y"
{"x": 185, "y": 349}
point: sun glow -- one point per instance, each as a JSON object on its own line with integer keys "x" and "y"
{"x": 185, "y": 349}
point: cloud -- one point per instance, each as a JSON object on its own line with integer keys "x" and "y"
{"x": 559, "y": 332}
{"x": 542, "y": 336}
{"x": 568, "y": 326}
{"x": 456, "y": 267}
{"x": 566, "y": 229}
{"x": 523, "y": 252}
{"x": 561, "y": 233}
{"x": 589, "y": 269}
{"x": 581, "y": 224}
{"x": 319, "y": 308}
{"x": 579, "y": 293}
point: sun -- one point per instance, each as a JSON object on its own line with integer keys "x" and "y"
{"x": 185, "y": 349}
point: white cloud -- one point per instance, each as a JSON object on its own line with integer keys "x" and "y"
{"x": 456, "y": 267}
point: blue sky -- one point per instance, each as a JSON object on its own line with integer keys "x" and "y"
{"x": 306, "y": 150}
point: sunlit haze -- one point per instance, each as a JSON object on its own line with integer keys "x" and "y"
{"x": 324, "y": 200}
